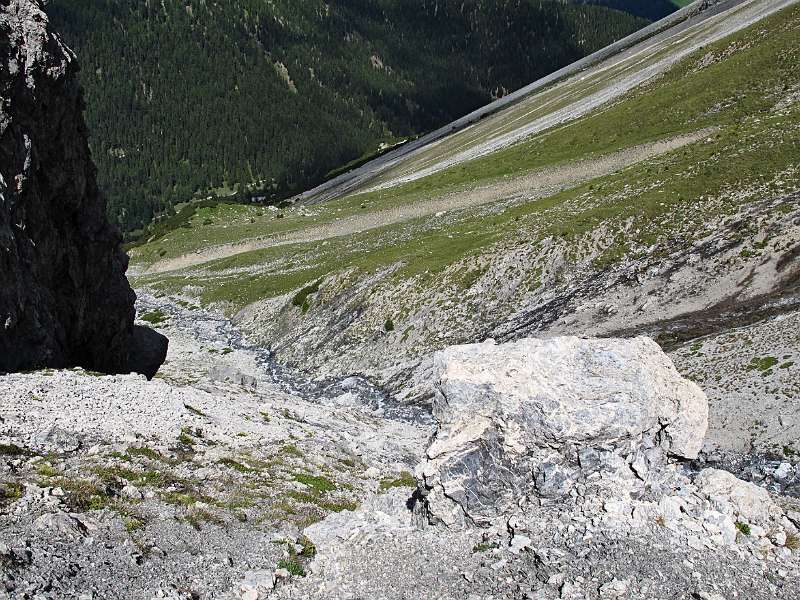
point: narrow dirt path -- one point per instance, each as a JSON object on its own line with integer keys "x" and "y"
{"x": 531, "y": 186}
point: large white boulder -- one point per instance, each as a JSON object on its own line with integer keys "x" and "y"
{"x": 535, "y": 416}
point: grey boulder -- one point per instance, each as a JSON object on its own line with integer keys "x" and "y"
{"x": 535, "y": 417}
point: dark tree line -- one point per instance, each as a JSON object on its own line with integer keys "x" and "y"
{"x": 187, "y": 98}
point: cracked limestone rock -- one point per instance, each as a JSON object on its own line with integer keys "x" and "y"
{"x": 536, "y": 417}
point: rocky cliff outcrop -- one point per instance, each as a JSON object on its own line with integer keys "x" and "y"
{"x": 536, "y": 418}
{"x": 64, "y": 298}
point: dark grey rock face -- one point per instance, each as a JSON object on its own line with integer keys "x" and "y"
{"x": 64, "y": 298}
{"x": 148, "y": 351}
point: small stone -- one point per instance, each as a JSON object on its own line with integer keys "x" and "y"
{"x": 519, "y": 543}
{"x": 132, "y": 492}
{"x": 499, "y": 564}
{"x": 694, "y": 542}
{"x": 710, "y": 596}
{"x": 615, "y": 588}
{"x": 784, "y": 471}
{"x": 757, "y": 531}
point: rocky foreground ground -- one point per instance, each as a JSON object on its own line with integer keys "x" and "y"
{"x": 562, "y": 468}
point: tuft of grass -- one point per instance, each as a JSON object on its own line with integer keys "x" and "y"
{"x": 195, "y": 411}
{"x": 485, "y": 547}
{"x": 322, "y": 503}
{"x": 405, "y": 479}
{"x": 185, "y": 498}
{"x": 196, "y": 517}
{"x": 46, "y": 470}
{"x": 110, "y": 475}
{"x": 82, "y": 495}
{"x": 291, "y": 450}
{"x": 155, "y": 317}
{"x": 388, "y": 326}
{"x": 308, "y": 550}
{"x": 743, "y": 528}
{"x": 293, "y": 566}
{"x": 186, "y": 439}
{"x": 792, "y": 541}
{"x": 133, "y": 524}
{"x": 148, "y": 453}
{"x": 318, "y": 484}
{"x": 235, "y": 465}
{"x": 9, "y": 492}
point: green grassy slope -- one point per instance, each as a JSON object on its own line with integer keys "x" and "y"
{"x": 723, "y": 94}
{"x": 186, "y": 99}
{"x": 733, "y": 85}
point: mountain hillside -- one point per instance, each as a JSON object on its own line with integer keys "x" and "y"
{"x": 550, "y": 351}
{"x": 183, "y": 98}
{"x": 656, "y": 192}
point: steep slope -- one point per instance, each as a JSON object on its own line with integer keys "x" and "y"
{"x": 656, "y": 192}
{"x": 190, "y": 99}
{"x": 64, "y": 298}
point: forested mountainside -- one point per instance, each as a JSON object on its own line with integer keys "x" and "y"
{"x": 184, "y": 99}
{"x": 649, "y": 9}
